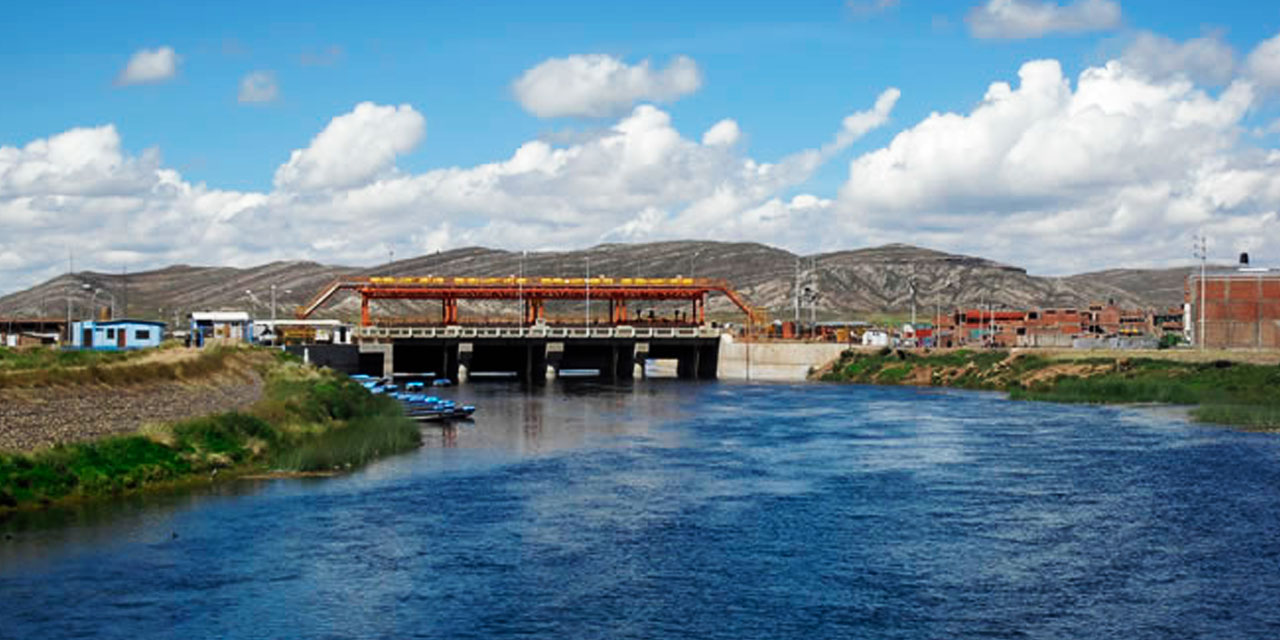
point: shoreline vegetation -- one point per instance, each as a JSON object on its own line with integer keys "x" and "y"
{"x": 1229, "y": 392}
{"x": 308, "y": 421}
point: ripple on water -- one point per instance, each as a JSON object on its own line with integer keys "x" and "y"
{"x": 709, "y": 511}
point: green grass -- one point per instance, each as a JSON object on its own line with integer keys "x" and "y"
{"x": 356, "y": 443}
{"x": 108, "y": 466}
{"x": 44, "y": 358}
{"x": 1241, "y": 394}
{"x": 894, "y": 375}
{"x": 50, "y": 368}
{"x": 308, "y": 420}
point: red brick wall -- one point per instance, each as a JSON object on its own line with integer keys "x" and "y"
{"x": 1241, "y": 310}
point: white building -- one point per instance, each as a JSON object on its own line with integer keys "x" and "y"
{"x": 875, "y": 338}
{"x": 232, "y": 326}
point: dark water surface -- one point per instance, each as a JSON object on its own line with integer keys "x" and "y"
{"x": 699, "y": 511}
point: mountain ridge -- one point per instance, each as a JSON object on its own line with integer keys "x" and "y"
{"x": 849, "y": 282}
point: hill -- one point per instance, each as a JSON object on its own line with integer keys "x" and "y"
{"x": 872, "y": 280}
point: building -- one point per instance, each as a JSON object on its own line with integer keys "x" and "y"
{"x": 112, "y": 335}
{"x": 293, "y": 331}
{"x": 220, "y": 326}
{"x": 875, "y": 338}
{"x": 1240, "y": 307}
{"x": 26, "y": 332}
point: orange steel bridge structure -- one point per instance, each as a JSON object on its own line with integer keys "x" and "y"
{"x": 534, "y": 292}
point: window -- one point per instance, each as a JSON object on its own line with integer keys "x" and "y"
{"x": 111, "y": 334}
{"x": 142, "y": 334}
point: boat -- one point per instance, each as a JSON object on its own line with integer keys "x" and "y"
{"x": 417, "y": 405}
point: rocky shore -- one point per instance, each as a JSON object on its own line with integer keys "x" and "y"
{"x": 32, "y": 419}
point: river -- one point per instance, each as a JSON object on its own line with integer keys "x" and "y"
{"x": 669, "y": 509}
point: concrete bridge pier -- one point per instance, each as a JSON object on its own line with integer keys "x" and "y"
{"x": 694, "y": 361}
{"x": 639, "y": 354}
{"x": 466, "y": 355}
{"x": 376, "y": 359}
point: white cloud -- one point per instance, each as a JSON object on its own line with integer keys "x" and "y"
{"x": 78, "y": 162}
{"x": 1118, "y": 171}
{"x": 1015, "y": 19}
{"x": 598, "y": 85}
{"x": 1114, "y": 167}
{"x": 354, "y": 148}
{"x": 149, "y": 66}
{"x": 1263, "y": 63}
{"x": 1207, "y": 60}
{"x": 341, "y": 199}
{"x": 723, "y": 133}
{"x": 258, "y": 86}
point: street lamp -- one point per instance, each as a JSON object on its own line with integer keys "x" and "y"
{"x": 273, "y": 301}
{"x": 524, "y": 313}
{"x": 1201, "y": 250}
{"x": 93, "y": 300}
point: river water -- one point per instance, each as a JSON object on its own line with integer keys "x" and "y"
{"x": 670, "y": 509}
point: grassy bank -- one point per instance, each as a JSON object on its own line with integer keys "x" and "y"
{"x": 34, "y": 368}
{"x": 1221, "y": 391}
{"x": 308, "y": 420}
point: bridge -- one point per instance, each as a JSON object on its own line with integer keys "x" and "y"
{"x": 536, "y": 345}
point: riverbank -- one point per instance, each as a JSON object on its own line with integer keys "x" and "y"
{"x": 1225, "y": 391}
{"x": 72, "y": 396}
{"x": 304, "y": 420}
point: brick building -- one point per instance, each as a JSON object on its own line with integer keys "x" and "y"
{"x": 1241, "y": 308}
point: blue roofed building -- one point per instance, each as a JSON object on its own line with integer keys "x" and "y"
{"x": 112, "y": 335}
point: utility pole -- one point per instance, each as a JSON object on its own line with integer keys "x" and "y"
{"x": 524, "y": 313}
{"x": 273, "y": 307}
{"x": 797, "y": 291}
{"x": 586, "y": 308}
{"x": 125, "y": 304}
{"x": 813, "y": 297}
{"x": 70, "y": 270}
{"x": 911, "y": 285}
{"x": 1200, "y": 249}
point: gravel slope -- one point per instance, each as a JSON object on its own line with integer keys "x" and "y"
{"x": 36, "y": 418}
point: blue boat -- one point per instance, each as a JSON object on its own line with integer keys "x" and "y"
{"x": 418, "y": 405}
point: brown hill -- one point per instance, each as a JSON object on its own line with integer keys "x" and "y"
{"x": 848, "y": 283}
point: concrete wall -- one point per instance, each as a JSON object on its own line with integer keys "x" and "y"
{"x": 340, "y": 357}
{"x": 773, "y": 360}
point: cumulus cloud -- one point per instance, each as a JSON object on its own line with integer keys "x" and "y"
{"x": 354, "y": 148}
{"x": 1207, "y": 60}
{"x": 598, "y": 85}
{"x": 341, "y": 199}
{"x": 723, "y": 133}
{"x": 78, "y": 162}
{"x": 149, "y": 66}
{"x": 1016, "y": 19}
{"x": 1263, "y": 63}
{"x": 1119, "y": 170}
{"x": 258, "y": 86}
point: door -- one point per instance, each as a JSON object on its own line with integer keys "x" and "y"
{"x": 120, "y": 337}
{"x": 86, "y": 339}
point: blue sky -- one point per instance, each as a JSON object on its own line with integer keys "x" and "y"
{"x": 785, "y": 73}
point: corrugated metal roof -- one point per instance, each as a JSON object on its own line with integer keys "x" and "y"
{"x": 220, "y": 316}
{"x": 105, "y": 323}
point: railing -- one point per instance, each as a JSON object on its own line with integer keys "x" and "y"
{"x": 570, "y": 333}
{"x": 452, "y": 288}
